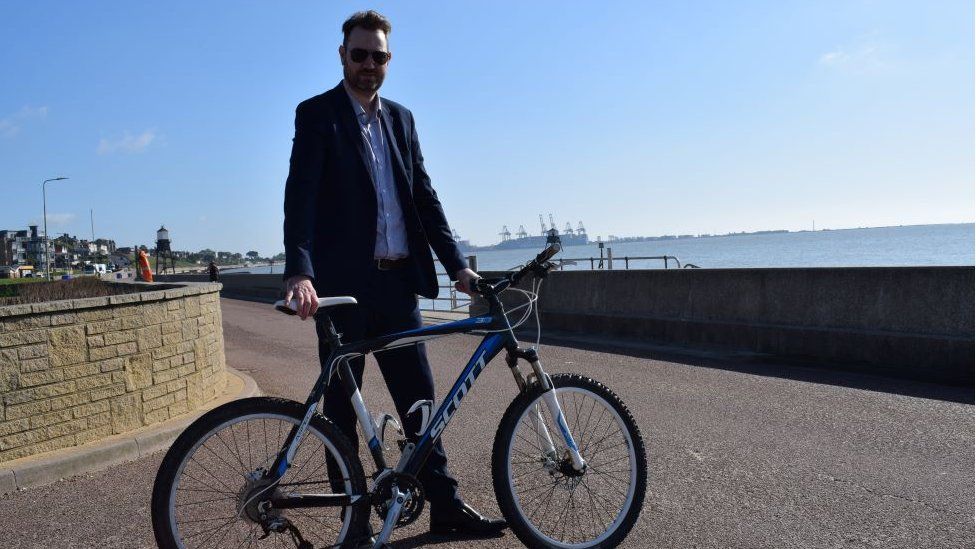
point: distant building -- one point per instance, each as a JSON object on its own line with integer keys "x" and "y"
{"x": 18, "y": 271}
{"x": 120, "y": 260}
{"x": 90, "y": 250}
{"x": 21, "y": 247}
{"x": 26, "y": 247}
{"x": 13, "y": 248}
{"x": 105, "y": 245}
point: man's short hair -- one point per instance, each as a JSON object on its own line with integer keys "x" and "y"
{"x": 369, "y": 20}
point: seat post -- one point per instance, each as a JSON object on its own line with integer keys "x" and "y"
{"x": 330, "y": 331}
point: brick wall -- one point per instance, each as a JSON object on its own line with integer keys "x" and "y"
{"x": 78, "y": 370}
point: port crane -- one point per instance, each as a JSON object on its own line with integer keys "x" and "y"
{"x": 505, "y": 234}
{"x": 521, "y": 232}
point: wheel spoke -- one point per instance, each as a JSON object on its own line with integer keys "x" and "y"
{"x": 212, "y": 493}
{"x": 573, "y": 509}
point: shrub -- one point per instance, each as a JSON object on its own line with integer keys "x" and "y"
{"x": 77, "y": 288}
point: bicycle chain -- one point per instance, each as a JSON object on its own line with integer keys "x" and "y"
{"x": 411, "y": 510}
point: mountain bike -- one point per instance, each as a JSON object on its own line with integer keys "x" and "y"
{"x": 568, "y": 463}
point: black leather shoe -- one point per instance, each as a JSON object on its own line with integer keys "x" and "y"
{"x": 464, "y": 520}
{"x": 361, "y": 540}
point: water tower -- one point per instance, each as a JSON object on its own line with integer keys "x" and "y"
{"x": 164, "y": 252}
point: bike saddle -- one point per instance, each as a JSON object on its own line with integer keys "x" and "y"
{"x": 291, "y": 308}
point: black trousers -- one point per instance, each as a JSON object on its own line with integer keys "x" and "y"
{"x": 389, "y": 305}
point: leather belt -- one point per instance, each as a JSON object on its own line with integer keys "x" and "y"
{"x": 384, "y": 264}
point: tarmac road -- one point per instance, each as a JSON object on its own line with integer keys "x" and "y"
{"x": 741, "y": 454}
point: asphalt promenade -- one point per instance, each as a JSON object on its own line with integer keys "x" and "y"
{"x": 742, "y": 453}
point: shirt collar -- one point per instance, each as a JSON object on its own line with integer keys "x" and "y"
{"x": 362, "y": 114}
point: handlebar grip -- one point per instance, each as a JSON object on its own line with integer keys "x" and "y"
{"x": 548, "y": 253}
{"x": 539, "y": 261}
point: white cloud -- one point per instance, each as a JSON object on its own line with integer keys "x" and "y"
{"x": 128, "y": 143}
{"x": 59, "y": 219}
{"x": 865, "y": 57}
{"x": 8, "y": 128}
{"x": 39, "y": 112}
{"x": 10, "y": 125}
{"x": 835, "y": 57}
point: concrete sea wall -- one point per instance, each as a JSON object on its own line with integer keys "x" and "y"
{"x": 914, "y": 322}
{"x": 78, "y": 370}
{"x": 266, "y": 288}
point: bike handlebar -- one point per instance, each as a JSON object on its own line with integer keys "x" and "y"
{"x": 546, "y": 255}
{"x": 539, "y": 260}
{"x": 480, "y": 286}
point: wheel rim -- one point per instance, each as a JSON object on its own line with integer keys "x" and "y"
{"x": 563, "y": 511}
{"x": 211, "y": 486}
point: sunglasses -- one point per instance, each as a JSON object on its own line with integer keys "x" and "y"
{"x": 359, "y": 55}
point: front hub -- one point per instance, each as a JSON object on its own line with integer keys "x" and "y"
{"x": 566, "y": 468}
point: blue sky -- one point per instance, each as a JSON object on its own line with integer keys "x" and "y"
{"x": 636, "y": 118}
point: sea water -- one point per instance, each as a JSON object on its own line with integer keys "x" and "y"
{"x": 914, "y": 245}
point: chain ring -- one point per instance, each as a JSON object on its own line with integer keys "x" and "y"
{"x": 411, "y": 510}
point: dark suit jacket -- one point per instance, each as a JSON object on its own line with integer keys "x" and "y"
{"x": 330, "y": 200}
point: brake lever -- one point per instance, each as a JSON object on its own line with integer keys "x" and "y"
{"x": 543, "y": 269}
{"x": 480, "y": 286}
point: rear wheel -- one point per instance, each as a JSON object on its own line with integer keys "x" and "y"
{"x": 546, "y": 501}
{"x": 212, "y": 491}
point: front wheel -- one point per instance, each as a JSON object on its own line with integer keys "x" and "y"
{"x": 546, "y": 501}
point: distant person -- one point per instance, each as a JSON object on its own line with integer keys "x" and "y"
{"x": 361, "y": 218}
{"x": 214, "y": 272}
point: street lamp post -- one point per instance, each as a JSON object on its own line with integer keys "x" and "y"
{"x": 47, "y": 253}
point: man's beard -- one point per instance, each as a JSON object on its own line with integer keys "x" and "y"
{"x": 360, "y": 80}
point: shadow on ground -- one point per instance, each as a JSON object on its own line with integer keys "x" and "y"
{"x": 797, "y": 369}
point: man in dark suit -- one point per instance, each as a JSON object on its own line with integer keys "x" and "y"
{"x": 361, "y": 218}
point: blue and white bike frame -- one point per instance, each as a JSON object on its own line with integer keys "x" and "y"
{"x": 499, "y": 335}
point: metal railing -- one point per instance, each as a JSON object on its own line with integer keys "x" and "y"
{"x": 606, "y": 262}
{"x": 455, "y": 300}
{"x": 459, "y": 301}
{"x": 597, "y": 263}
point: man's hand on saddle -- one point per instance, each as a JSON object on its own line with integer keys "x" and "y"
{"x": 465, "y": 278}
{"x": 299, "y": 288}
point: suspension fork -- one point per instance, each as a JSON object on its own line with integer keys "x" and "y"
{"x": 552, "y": 403}
{"x": 541, "y": 431}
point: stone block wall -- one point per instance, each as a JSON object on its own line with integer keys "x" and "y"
{"x": 74, "y": 371}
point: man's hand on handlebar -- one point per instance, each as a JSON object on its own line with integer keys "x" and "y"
{"x": 300, "y": 288}
{"x": 465, "y": 281}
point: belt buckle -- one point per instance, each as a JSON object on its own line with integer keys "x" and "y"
{"x": 387, "y": 264}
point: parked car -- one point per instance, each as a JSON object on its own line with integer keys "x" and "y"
{"x": 96, "y": 268}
